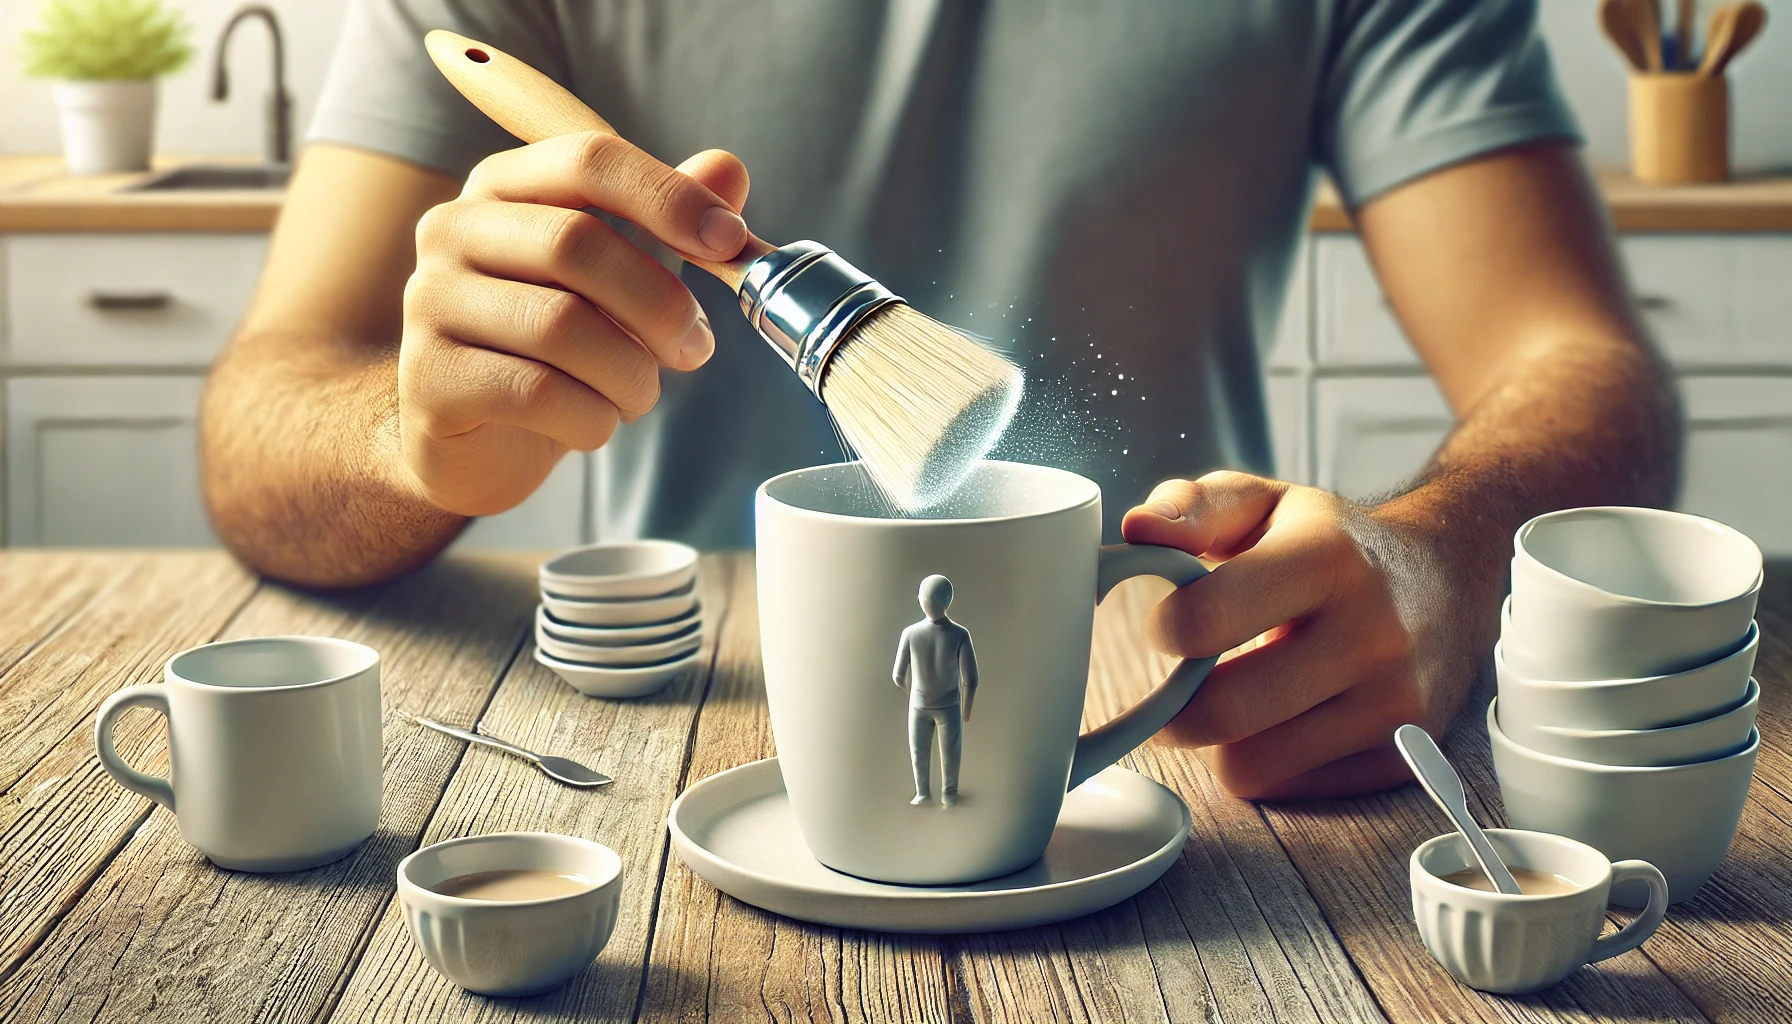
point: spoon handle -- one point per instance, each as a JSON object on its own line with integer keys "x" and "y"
{"x": 474, "y": 737}
{"x": 1439, "y": 779}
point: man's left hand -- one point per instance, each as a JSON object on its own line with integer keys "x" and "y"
{"x": 1360, "y": 621}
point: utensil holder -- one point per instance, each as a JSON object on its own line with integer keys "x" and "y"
{"x": 1679, "y": 128}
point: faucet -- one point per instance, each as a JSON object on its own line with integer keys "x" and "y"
{"x": 277, "y": 148}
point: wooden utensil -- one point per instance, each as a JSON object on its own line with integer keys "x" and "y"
{"x": 1683, "y": 34}
{"x": 1645, "y": 17}
{"x": 1615, "y": 19}
{"x": 1733, "y": 27}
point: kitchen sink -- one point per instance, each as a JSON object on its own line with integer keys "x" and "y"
{"x": 196, "y": 177}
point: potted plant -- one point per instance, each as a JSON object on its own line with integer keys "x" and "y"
{"x": 105, "y": 56}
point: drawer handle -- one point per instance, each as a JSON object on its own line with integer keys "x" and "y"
{"x": 116, "y": 302}
{"x": 1653, "y": 303}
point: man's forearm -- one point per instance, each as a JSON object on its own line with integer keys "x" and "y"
{"x": 1574, "y": 421}
{"x": 301, "y": 463}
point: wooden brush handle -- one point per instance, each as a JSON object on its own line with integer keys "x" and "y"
{"x": 532, "y": 107}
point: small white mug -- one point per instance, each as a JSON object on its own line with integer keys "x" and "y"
{"x": 511, "y": 948}
{"x": 1510, "y": 944}
{"x": 273, "y": 749}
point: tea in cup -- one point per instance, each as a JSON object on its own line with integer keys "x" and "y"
{"x": 1512, "y": 944}
{"x": 511, "y": 913}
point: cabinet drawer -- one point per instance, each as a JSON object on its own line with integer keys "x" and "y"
{"x": 1715, "y": 300}
{"x": 104, "y": 461}
{"x": 126, "y": 300}
{"x": 1737, "y": 464}
{"x": 1709, "y": 300}
{"x": 1375, "y": 433}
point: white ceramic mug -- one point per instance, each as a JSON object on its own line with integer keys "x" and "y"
{"x": 1679, "y": 818}
{"x": 838, "y": 581}
{"x": 273, "y": 749}
{"x": 1510, "y": 944}
{"x": 510, "y": 948}
{"x": 1619, "y": 592}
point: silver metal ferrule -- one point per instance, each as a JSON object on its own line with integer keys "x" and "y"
{"x": 803, "y": 299}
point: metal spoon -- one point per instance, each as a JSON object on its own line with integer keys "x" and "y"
{"x": 1445, "y": 786}
{"x": 559, "y": 769}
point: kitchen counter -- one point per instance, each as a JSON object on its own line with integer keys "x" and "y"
{"x": 1297, "y": 912}
{"x": 36, "y": 195}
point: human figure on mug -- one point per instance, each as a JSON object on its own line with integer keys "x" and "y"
{"x": 936, "y": 664}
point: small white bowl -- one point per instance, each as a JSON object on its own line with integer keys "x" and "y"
{"x": 1619, "y": 593}
{"x": 504, "y": 948}
{"x": 1651, "y": 702}
{"x": 643, "y": 611}
{"x": 1718, "y": 736}
{"x": 617, "y": 657}
{"x": 632, "y": 569}
{"x": 615, "y": 636}
{"x": 634, "y": 681}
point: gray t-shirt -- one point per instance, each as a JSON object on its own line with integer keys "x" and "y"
{"x": 1114, "y": 193}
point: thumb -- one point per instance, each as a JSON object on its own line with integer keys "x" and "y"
{"x": 1218, "y": 515}
{"x": 722, "y": 173}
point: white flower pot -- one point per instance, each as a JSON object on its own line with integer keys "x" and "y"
{"x": 107, "y": 126}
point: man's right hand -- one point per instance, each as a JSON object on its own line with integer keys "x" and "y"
{"x": 531, "y": 327}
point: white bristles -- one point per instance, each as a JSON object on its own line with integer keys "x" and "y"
{"x": 919, "y": 402}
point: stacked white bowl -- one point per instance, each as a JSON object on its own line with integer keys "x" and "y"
{"x": 1626, "y": 711}
{"x": 619, "y": 620}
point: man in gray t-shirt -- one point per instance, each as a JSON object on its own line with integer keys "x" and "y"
{"x": 1114, "y": 193}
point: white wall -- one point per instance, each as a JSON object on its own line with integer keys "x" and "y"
{"x": 190, "y": 123}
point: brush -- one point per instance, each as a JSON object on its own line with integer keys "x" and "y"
{"x": 918, "y": 402}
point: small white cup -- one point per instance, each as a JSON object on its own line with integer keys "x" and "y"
{"x": 1651, "y": 702}
{"x": 273, "y": 749}
{"x": 1619, "y": 593}
{"x": 1679, "y": 818}
{"x": 504, "y": 948}
{"x": 630, "y": 569}
{"x": 1509, "y": 944}
{"x": 1718, "y": 736}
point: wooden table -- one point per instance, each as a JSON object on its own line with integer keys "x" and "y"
{"x": 1293, "y": 912}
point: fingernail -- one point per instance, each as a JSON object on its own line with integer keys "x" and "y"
{"x": 1164, "y": 510}
{"x": 698, "y": 343}
{"x": 722, "y": 229}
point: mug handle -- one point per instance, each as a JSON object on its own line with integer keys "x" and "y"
{"x": 149, "y": 695}
{"x": 1632, "y": 935}
{"x": 1100, "y": 747}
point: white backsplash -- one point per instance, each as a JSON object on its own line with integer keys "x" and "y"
{"x": 190, "y": 123}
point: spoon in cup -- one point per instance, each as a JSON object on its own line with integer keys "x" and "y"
{"x": 1439, "y": 779}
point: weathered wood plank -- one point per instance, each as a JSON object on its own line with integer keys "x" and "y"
{"x": 61, "y": 817}
{"x": 39, "y": 590}
{"x": 641, "y": 743}
{"x": 163, "y": 933}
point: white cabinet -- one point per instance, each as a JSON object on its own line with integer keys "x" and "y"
{"x": 1738, "y": 456}
{"x": 554, "y": 516}
{"x": 1375, "y": 433}
{"x": 126, "y": 300}
{"x": 99, "y": 461}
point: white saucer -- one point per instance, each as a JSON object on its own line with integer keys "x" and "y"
{"x": 1118, "y": 833}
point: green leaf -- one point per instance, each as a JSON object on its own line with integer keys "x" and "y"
{"x": 107, "y": 39}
